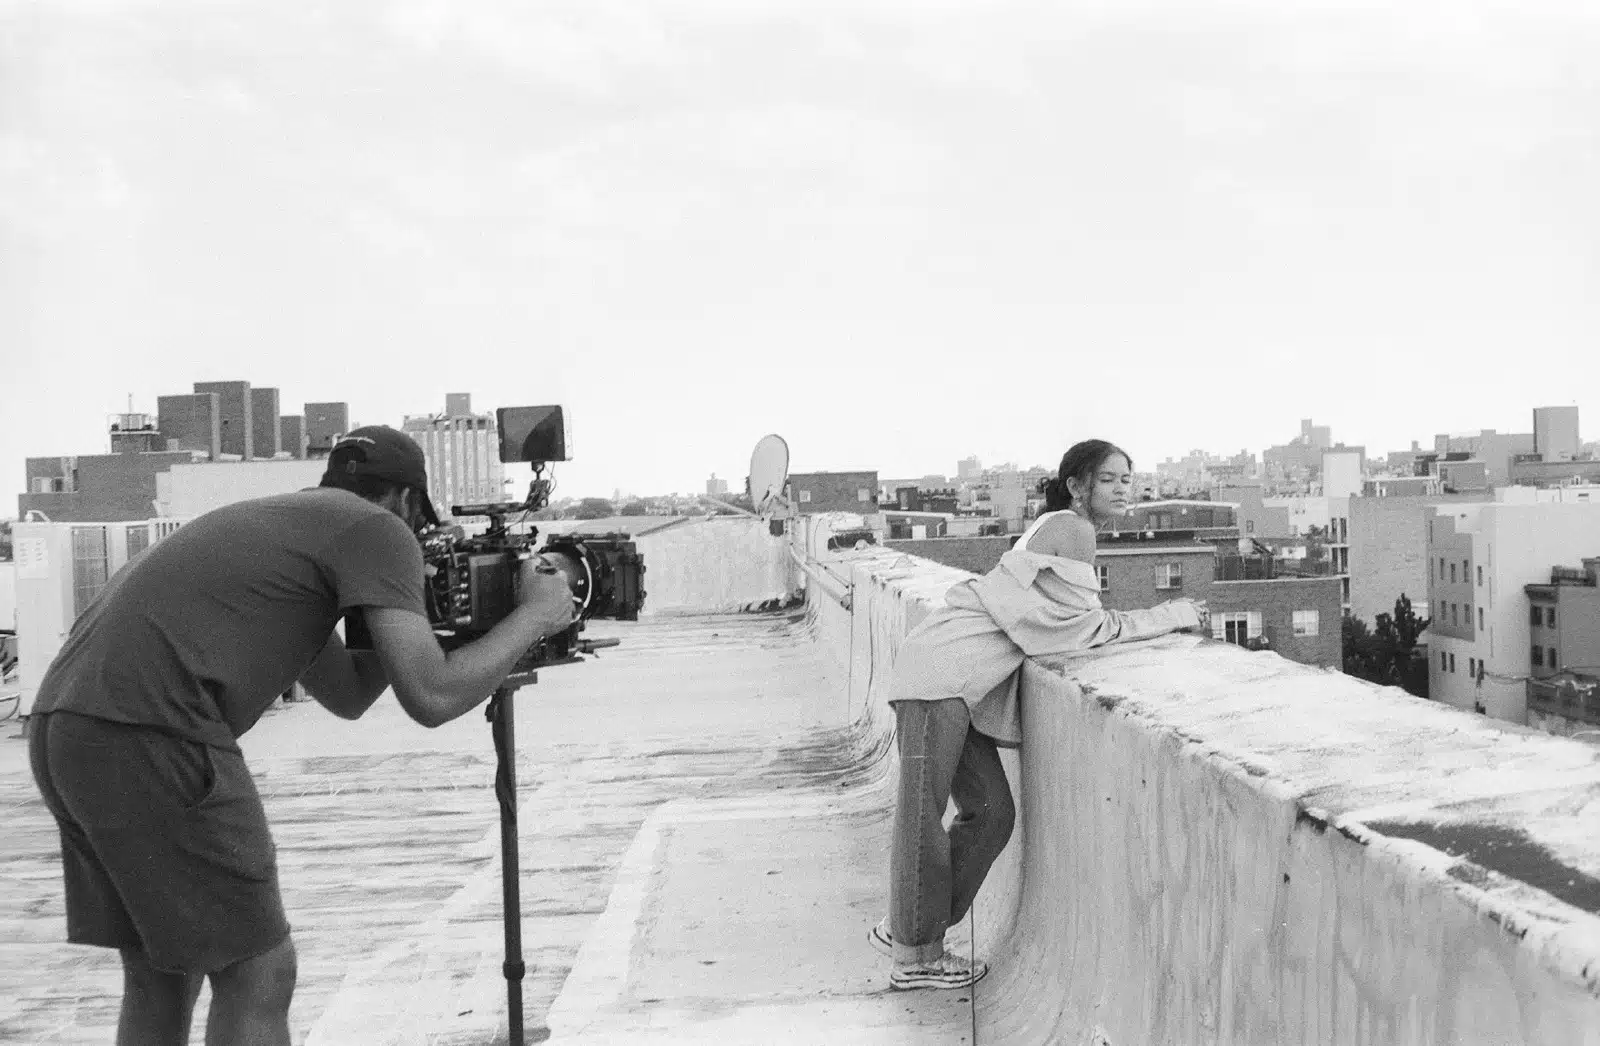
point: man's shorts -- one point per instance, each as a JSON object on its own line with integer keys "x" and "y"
{"x": 164, "y": 843}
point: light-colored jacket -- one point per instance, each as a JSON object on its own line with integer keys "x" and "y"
{"x": 1029, "y": 605}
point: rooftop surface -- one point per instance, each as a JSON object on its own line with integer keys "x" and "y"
{"x": 700, "y": 862}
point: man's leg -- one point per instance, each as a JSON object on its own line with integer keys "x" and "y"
{"x": 931, "y": 736}
{"x": 985, "y": 817}
{"x": 157, "y": 1006}
{"x": 250, "y": 1000}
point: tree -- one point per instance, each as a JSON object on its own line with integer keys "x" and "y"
{"x": 1387, "y": 654}
{"x": 594, "y": 508}
{"x": 633, "y": 508}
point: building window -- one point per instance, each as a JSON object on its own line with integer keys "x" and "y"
{"x": 1538, "y": 656}
{"x": 1105, "y": 577}
{"x": 1169, "y": 575}
{"x": 1452, "y": 662}
{"x": 1553, "y": 662}
{"x": 1452, "y": 573}
{"x": 1455, "y": 617}
{"x": 1466, "y": 573}
{"x": 1472, "y": 666}
{"x": 1441, "y": 568}
{"x": 1535, "y": 617}
{"x": 862, "y": 494}
{"x": 89, "y": 566}
{"x": 1233, "y": 627}
{"x": 1549, "y": 617}
{"x": 1480, "y": 619}
{"x": 1249, "y": 526}
{"x": 1237, "y": 626}
{"x": 1480, "y": 577}
{"x": 805, "y": 495}
{"x": 1442, "y": 661}
{"x": 1306, "y": 622}
{"x": 138, "y": 540}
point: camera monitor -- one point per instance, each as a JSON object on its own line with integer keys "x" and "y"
{"x": 532, "y": 433}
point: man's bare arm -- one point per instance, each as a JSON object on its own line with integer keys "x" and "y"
{"x": 345, "y": 682}
{"x": 435, "y": 687}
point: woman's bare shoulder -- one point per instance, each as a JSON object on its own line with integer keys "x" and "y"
{"x": 1068, "y": 535}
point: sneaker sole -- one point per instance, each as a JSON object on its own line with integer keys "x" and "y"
{"x": 930, "y": 981}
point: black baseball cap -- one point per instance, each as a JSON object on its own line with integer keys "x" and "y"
{"x": 386, "y": 453}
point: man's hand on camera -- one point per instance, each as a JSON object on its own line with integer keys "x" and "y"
{"x": 545, "y": 588}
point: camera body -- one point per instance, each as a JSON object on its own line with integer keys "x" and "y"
{"x": 471, "y": 582}
{"x": 472, "y": 579}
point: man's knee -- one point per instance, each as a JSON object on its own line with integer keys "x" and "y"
{"x": 266, "y": 979}
{"x": 140, "y": 976}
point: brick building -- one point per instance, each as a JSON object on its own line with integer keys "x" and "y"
{"x": 292, "y": 435}
{"x": 233, "y": 409}
{"x": 266, "y": 435}
{"x": 812, "y": 492}
{"x": 325, "y": 423}
{"x": 97, "y": 488}
{"x": 1388, "y": 551}
{"x": 193, "y": 420}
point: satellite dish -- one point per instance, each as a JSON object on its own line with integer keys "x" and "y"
{"x": 769, "y": 471}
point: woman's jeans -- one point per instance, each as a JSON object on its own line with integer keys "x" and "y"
{"x": 934, "y": 874}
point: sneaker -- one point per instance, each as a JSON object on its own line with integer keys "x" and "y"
{"x": 881, "y": 938}
{"x": 947, "y": 971}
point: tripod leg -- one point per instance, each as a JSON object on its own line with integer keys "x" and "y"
{"x": 502, "y": 725}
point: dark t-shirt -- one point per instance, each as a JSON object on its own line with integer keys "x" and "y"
{"x": 199, "y": 633}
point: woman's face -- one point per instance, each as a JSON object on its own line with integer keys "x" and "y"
{"x": 1106, "y": 494}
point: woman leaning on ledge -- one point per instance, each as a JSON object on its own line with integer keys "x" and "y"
{"x": 955, "y": 699}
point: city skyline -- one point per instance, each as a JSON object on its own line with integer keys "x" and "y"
{"x": 869, "y": 228}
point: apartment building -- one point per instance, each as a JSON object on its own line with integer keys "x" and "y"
{"x": 1387, "y": 555}
{"x": 462, "y": 450}
{"x": 1564, "y": 649}
{"x": 1480, "y": 559}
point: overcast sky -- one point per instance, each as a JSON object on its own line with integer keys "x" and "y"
{"x": 897, "y": 233}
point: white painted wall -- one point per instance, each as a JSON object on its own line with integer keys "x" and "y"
{"x": 1341, "y": 473}
{"x": 1191, "y": 863}
{"x": 8, "y": 596}
{"x": 714, "y": 564}
{"x": 190, "y": 490}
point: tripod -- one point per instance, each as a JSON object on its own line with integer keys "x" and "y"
{"x": 502, "y": 725}
{"x": 501, "y": 713}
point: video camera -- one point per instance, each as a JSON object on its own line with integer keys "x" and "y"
{"x": 472, "y": 578}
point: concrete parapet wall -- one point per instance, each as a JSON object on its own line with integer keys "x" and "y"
{"x": 1220, "y": 846}
{"x": 714, "y": 565}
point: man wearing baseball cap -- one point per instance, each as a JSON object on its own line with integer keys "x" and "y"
{"x": 133, "y": 739}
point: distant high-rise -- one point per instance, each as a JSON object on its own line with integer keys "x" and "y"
{"x": 462, "y": 450}
{"x": 325, "y": 423}
{"x": 969, "y": 468}
{"x": 715, "y": 486}
{"x": 233, "y": 406}
{"x": 265, "y": 438}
